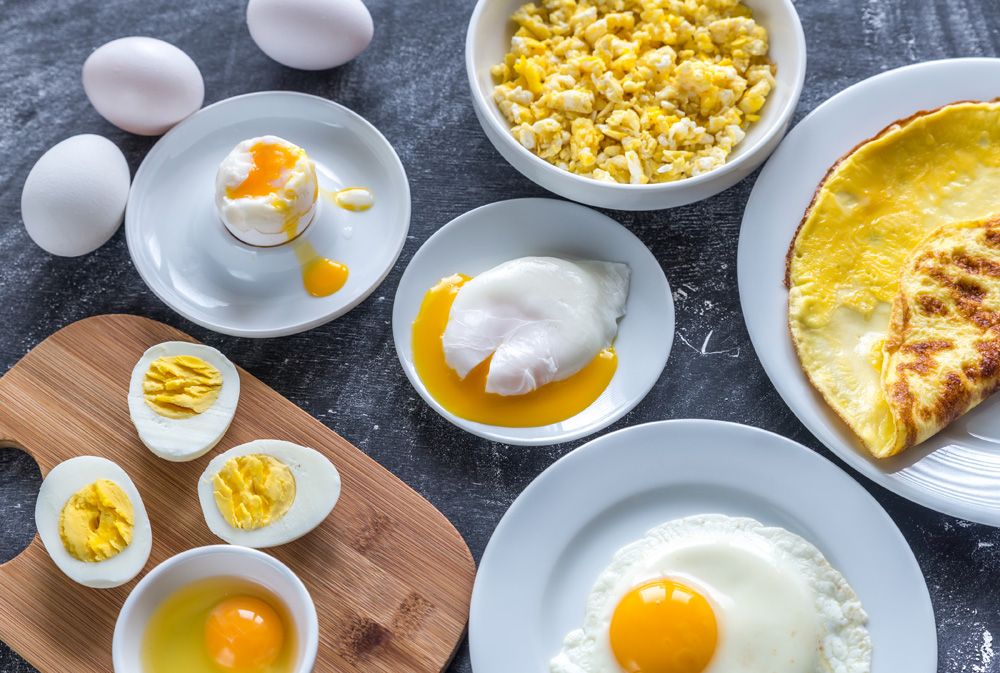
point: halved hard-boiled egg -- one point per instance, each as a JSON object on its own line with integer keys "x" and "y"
{"x": 182, "y": 398}
{"x": 267, "y": 492}
{"x": 92, "y": 522}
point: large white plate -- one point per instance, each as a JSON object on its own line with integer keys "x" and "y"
{"x": 498, "y": 232}
{"x": 958, "y": 470}
{"x": 196, "y": 267}
{"x": 563, "y": 529}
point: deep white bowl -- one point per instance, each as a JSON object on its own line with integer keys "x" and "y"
{"x": 488, "y": 40}
{"x": 214, "y": 561}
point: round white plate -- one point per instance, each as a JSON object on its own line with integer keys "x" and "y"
{"x": 562, "y": 531}
{"x": 189, "y": 260}
{"x": 498, "y": 232}
{"x": 958, "y": 470}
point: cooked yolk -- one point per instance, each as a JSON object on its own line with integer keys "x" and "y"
{"x": 321, "y": 277}
{"x": 468, "y": 399}
{"x": 663, "y": 627}
{"x": 181, "y": 386}
{"x": 270, "y": 162}
{"x": 253, "y": 491}
{"x": 243, "y": 634}
{"x": 96, "y": 522}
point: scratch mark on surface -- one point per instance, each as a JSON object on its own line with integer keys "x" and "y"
{"x": 704, "y": 347}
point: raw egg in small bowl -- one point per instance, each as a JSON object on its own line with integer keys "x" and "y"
{"x": 217, "y": 608}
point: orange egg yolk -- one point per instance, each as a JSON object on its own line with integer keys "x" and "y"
{"x": 270, "y": 163}
{"x": 663, "y": 627}
{"x": 243, "y": 635}
{"x": 321, "y": 277}
{"x": 468, "y": 399}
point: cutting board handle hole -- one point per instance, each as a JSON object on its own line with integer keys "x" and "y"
{"x": 20, "y": 479}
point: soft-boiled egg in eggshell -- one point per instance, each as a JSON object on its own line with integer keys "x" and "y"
{"x": 92, "y": 522}
{"x": 267, "y": 492}
{"x": 310, "y": 34}
{"x": 182, "y": 398}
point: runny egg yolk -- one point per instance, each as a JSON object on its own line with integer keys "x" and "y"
{"x": 468, "y": 399}
{"x": 320, "y": 276}
{"x": 253, "y": 491}
{"x": 663, "y": 627}
{"x": 97, "y": 522}
{"x": 243, "y": 634}
{"x": 270, "y": 163}
{"x": 181, "y": 386}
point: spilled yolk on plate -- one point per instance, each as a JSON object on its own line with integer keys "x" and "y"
{"x": 468, "y": 399}
{"x": 320, "y": 276}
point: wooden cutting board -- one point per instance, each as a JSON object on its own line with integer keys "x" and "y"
{"x": 391, "y": 577}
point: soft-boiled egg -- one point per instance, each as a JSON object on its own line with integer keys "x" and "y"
{"x": 523, "y": 344}
{"x": 182, "y": 398}
{"x": 267, "y": 492}
{"x": 266, "y": 191}
{"x": 92, "y": 522}
{"x": 718, "y": 594}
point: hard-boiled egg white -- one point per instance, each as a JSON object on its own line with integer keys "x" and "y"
{"x": 107, "y": 521}
{"x": 267, "y": 492}
{"x": 310, "y": 34}
{"x": 182, "y": 398}
{"x": 717, "y": 594}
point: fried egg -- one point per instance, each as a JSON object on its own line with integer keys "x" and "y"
{"x": 718, "y": 594}
{"x": 182, "y": 398}
{"x": 870, "y": 212}
{"x": 92, "y": 522}
{"x": 267, "y": 492}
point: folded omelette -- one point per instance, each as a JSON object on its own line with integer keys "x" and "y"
{"x": 894, "y": 277}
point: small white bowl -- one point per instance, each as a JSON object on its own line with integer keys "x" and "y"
{"x": 214, "y": 561}
{"x": 488, "y": 40}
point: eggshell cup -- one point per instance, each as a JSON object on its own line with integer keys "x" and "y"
{"x": 488, "y": 40}
{"x": 214, "y": 561}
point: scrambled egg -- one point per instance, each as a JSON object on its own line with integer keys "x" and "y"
{"x": 634, "y": 91}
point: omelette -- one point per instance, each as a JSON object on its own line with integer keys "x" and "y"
{"x": 902, "y": 224}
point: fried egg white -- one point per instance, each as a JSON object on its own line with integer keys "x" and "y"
{"x": 541, "y": 319}
{"x": 718, "y": 594}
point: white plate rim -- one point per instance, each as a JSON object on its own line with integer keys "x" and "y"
{"x": 403, "y": 314}
{"x": 867, "y": 108}
{"x": 500, "y": 611}
{"x": 133, "y": 228}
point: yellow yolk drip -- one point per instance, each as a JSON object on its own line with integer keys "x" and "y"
{"x": 355, "y": 198}
{"x": 253, "y": 491}
{"x": 468, "y": 399}
{"x": 181, "y": 386}
{"x": 270, "y": 163}
{"x": 243, "y": 635}
{"x": 663, "y": 627}
{"x": 320, "y": 276}
{"x": 96, "y": 522}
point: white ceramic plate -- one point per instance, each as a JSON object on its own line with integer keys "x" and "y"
{"x": 188, "y": 259}
{"x": 498, "y": 232}
{"x": 562, "y": 531}
{"x": 958, "y": 470}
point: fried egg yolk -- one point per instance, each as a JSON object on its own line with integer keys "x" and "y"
{"x": 467, "y": 398}
{"x": 181, "y": 386}
{"x": 96, "y": 522}
{"x": 663, "y": 627}
{"x": 253, "y": 491}
{"x": 243, "y": 634}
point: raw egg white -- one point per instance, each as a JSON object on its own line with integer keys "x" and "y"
{"x": 274, "y": 491}
{"x": 99, "y": 523}
{"x": 143, "y": 85}
{"x": 717, "y": 594}
{"x": 179, "y": 408}
{"x": 74, "y": 198}
{"x": 310, "y": 34}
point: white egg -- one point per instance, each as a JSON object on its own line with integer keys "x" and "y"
{"x": 310, "y": 34}
{"x": 541, "y": 318}
{"x": 317, "y": 489}
{"x": 183, "y": 439}
{"x": 143, "y": 85}
{"x": 778, "y": 604}
{"x": 74, "y": 197}
{"x": 59, "y": 485}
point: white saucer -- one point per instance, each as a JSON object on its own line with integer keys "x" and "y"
{"x": 561, "y": 532}
{"x": 188, "y": 259}
{"x": 957, "y": 471}
{"x": 498, "y": 232}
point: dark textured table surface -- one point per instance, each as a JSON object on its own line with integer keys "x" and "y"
{"x": 411, "y": 84}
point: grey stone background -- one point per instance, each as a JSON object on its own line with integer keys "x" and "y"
{"x": 411, "y": 84}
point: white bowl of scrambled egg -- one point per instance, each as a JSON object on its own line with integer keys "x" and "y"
{"x": 635, "y": 104}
